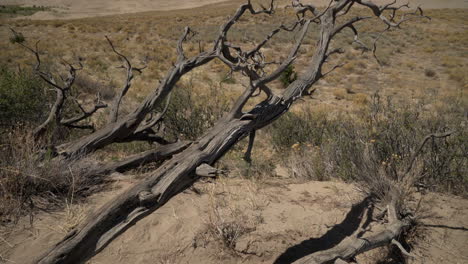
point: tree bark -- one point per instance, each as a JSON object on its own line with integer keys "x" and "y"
{"x": 121, "y": 129}
{"x": 356, "y": 244}
{"x": 178, "y": 173}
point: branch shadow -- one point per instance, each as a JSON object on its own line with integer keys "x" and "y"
{"x": 461, "y": 228}
{"x": 330, "y": 239}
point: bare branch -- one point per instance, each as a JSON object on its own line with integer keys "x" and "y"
{"x": 84, "y": 114}
{"x": 155, "y": 120}
{"x": 421, "y": 146}
{"x": 145, "y": 136}
{"x": 402, "y": 249}
{"x": 180, "y": 48}
{"x": 114, "y": 111}
{"x": 248, "y": 153}
{"x": 291, "y": 57}
{"x": 301, "y": 9}
{"x": 333, "y": 69}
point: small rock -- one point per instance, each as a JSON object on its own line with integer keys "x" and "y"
{"x": 282, "y": 172}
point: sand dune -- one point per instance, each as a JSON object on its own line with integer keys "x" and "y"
{"x": 71, "y": 9}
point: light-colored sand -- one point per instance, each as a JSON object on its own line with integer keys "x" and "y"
{"x": 72, "y": 9}
{"x": 279, "y": 221}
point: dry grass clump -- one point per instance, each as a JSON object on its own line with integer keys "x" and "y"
{"x": 30, "y": 181}
{"x": 230, "y": 217}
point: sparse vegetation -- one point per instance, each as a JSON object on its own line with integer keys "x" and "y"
{"x": 16, "y": 10}
{"x": 355, "y": 136}
{"x": 328, "y": 145}
{"x": 23, "y": 99}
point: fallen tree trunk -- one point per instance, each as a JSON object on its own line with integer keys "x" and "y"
{"x": 121, "y": 129}
{"x": 179, "y": 172}
{"x": 171, "y": 178}
{"x": 160, "y": 153}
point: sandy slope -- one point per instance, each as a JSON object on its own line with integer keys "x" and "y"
{"x": 280, "y": 221}
{"x": 70, "y": 9}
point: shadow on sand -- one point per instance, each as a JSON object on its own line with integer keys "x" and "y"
{"x": 330, "y": 239}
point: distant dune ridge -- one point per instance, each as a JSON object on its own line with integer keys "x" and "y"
{"x": 71, "y": 9}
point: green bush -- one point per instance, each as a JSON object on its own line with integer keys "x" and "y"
{"x": 14, "y": 10}
{"x": 294, "y": 128}
{"x": 288, "y": 76}
{"x": 17, "y": 38}
{"x": 23, "y": 98}
{"x": 189, "y": 115}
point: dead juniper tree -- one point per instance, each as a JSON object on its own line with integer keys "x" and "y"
{"x": 62, "y": 90}
{"x": 186, "y": 162}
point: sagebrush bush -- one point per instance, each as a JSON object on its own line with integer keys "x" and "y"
{"x": 190, "y": 114}
{"x": 384, "y": 137}
{"x": 288, "y": 76}
{"x": 21, "y": 10}
{"x": 23, "y": 98}
{"x": 297, "y": 128}
{"x": 29, "y": 180}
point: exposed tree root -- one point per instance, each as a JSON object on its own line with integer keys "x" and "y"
{"x": 359, "y": 243}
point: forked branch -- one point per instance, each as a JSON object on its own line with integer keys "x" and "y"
{"x": 129, "y": 69}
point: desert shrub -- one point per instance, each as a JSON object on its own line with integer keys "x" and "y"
{"x": 17, "y": 38}
{"x": 228, "y": 220}
{"x": 189, "y": 114}
{"x": 14, "y": 10}
{"x": 306, "y": 162}
{"x": 429, "y": 73}
{"x": 256, "y": 169}
{"x": 382, "y": 139}
{"x": 228, "y": 78}
{"x": 28, "y": 182}
{"x": 288, "y": 76}
{"x": 23, "y": 98}
{"x": 297, "y": 128}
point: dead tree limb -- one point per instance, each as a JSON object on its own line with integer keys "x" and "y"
{"x": 359, "y": 243}
{"x": 160, "y": 153}
{"x": 62, "y": 92}
{"x": 129, "y": 69}
{"x": 421, "y": 146}
{"x": 180, "y": 172}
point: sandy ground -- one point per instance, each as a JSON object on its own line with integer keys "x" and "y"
{"x": 71, "y": 9}
{"x": 278, "y": 222}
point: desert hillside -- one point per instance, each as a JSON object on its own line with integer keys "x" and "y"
{"x": 125, "y": 138}
{"x": 71, "y": 9}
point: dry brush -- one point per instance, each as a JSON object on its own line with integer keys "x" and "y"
{"x": 186, "y": 162}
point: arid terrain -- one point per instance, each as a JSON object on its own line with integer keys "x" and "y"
{"x": 71, "y": 9}
{"x": 278, "y": 222}
{"x": 299, "y": 194}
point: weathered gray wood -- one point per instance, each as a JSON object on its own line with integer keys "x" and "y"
{"x": 160, "y": 153}
{"x": 179, "y": 172}
{"x": 357, "y": 244}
